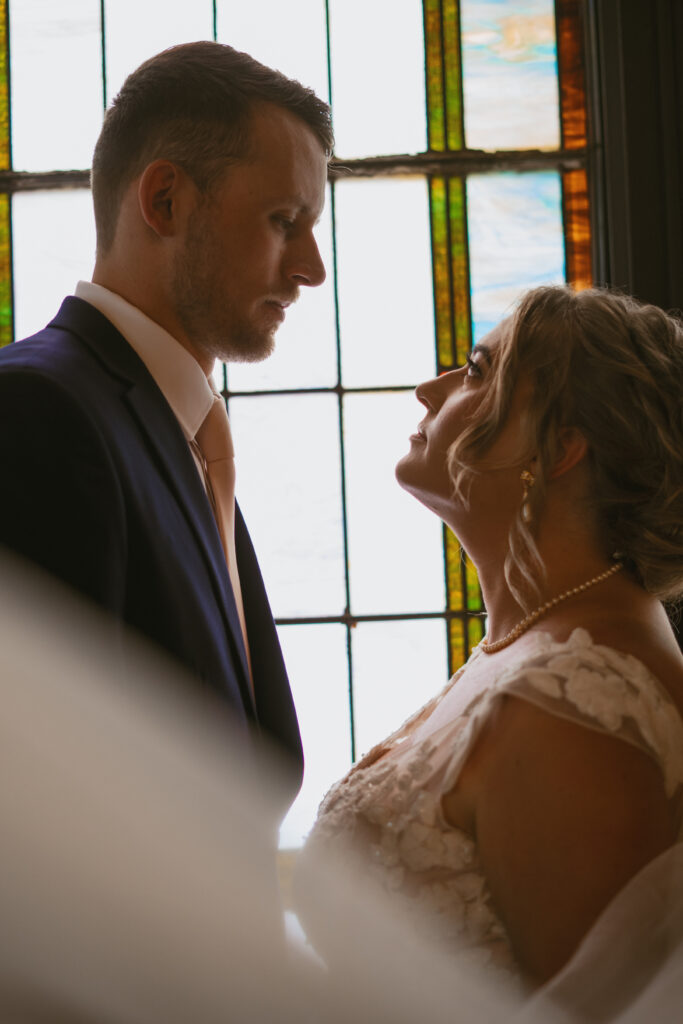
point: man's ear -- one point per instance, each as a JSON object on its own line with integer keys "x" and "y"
{"x": 572, "y": 448}
{"x": 159, "y": 190}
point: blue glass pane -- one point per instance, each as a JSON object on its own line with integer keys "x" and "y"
{"x": 516, "y": 240}
{"x": 510, "y": 74}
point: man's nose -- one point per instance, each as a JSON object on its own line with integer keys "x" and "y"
{"x": 307, "y": 268}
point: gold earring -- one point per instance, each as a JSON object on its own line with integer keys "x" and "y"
{"x": 528, "y": 480}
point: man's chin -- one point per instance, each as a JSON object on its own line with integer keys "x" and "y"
{"x": 252, "y": 348}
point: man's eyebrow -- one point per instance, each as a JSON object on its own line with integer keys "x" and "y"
{"x": 485, "y": 351}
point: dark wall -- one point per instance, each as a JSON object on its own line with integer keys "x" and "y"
{"x": 635, "y": 64}
{"x": 635, "y": 72}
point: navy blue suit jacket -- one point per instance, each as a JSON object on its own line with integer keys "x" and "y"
{"x": 100, "y": 489}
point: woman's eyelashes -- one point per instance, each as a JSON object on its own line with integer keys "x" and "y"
{"x": 473, "y": 369}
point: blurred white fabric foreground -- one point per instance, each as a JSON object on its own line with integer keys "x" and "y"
{"x": 136, "y": 847}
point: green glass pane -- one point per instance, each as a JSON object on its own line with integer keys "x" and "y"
{"x": 443, "y": 72}
{"x": 434, "y": 74}
{"x": 476, "y": 632}
{"x": 510, "y": 74}
{"x": 459, "y": 269}
{"x": 4, "y": 91}
{"x": 457, "y": 645}
{"x": 474, "y": 601}
{"x": 5, "y": 273}
{"x": 454, "y": 572}
{"x": 441, "y": 272}
{"x": 452, "y": 63}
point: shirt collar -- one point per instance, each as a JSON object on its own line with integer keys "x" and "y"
{"x": 176, "y": 373}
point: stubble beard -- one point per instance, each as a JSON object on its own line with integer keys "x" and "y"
{"x": 201, "y": 308}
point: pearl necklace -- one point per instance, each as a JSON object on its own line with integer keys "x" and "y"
{"x": 526, "y": 623}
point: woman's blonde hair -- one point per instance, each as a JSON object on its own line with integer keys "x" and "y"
{"x": 612, "y": 368}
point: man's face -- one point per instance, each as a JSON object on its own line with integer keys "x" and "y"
{"x": 249, "y": 245}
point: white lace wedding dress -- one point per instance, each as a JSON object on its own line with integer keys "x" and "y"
{"x": 386, "y": 813}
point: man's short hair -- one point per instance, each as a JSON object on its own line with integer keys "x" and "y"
{"x": 190, "y": 104}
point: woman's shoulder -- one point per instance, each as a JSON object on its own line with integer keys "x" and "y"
{"x": 605, "y": 688}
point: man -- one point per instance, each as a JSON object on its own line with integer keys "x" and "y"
{"x": 207, "y": 179}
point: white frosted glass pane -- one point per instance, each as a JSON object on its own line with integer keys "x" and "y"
{"x": 264, "y": 29}
{"x": 386, "y": 304}
{"x": 53, "y": 241}
{"x": 510, "y": 74}
{"x": 56, "y": 83}
{"x": 288, "y": 487}
{"x": 305, "y": 353}
{"x": 137, "y": 29}
{"x": 516, "y": 240}
{"x": 395, "y": 546}
{"x": 378, "y": 77}
{"x": 317, "y": 665}
{"x": 397, "y": 667}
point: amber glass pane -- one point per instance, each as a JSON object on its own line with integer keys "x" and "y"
{"x": 572, "y": 74}
{"x": 577, "y": 228}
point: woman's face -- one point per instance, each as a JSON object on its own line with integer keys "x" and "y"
{"x": 451, "y": 400}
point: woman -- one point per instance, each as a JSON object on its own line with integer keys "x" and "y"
{"x": 509, "y": 811}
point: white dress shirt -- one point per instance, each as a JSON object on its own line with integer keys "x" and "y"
{"x": 176, "y": 373}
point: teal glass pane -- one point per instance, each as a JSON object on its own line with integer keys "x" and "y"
{"x": 289, "y": 489}
{"x": 510, "y": 74}
{"x": 386, "y": 303}
{"x": 317, "y": 665}
{"x": 398, "y": 666}
{"x": 516, "y": 240}
{"x": 263, "y": 28}
{"x": 56, "y": 83}
{"x": 395, "y": 549}
{"x": 378, "y": 77}
{"x": 53, "y": 247}
{"x": 137, "y": 29}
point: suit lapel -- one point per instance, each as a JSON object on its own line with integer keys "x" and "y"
{"x": 170, "y": 452}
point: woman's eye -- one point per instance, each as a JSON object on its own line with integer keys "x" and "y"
{"x": 473, "y": 369}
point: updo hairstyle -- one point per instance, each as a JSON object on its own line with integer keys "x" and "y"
{"x": 611, "y": 367}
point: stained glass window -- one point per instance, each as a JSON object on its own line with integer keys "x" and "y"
{"x": 460, "y": 179}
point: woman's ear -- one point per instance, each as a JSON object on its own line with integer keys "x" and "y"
{"x": 158, "y": 194}
{"x": 571, "y": 449}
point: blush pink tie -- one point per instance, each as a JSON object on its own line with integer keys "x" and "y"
{"x": 213, "y": 444}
